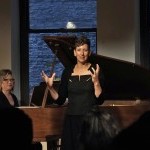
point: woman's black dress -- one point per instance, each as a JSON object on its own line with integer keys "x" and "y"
{"x": 81, "y": 97}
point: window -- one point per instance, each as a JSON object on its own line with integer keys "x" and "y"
{"x": 51, "y": 17}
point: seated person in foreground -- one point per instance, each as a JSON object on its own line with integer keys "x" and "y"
{"x": 15, "y": 129}
{"x": 136, "y": 136}
{"x": 98, "y": 129}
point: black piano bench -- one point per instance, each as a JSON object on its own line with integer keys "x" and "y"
{"x": 53, "y": 142}
{"x": 36, "y": 146}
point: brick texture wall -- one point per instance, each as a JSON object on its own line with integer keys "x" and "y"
{"x": 54, "y": 14}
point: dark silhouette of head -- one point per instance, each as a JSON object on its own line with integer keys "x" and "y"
{"x": 16, "y": 129}
{"x": 136, "y": 136}
{"x": 98, "y": 129}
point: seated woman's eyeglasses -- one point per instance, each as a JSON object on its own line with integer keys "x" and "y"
{"x": 8, "y": 80}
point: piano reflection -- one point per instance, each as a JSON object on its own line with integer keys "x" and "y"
{"x": 126, "y": 91}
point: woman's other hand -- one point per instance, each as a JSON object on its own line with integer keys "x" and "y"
{"x": 95, "y": 74}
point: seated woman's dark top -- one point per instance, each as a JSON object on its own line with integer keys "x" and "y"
{"x": 4, "y": 103}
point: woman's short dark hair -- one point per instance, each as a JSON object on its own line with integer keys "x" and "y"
{"x": 81, "y": 41}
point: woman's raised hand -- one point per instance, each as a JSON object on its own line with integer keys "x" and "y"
{"x": 48, "y": 80}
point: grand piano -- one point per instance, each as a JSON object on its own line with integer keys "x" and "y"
{"x": 126, "y": 90}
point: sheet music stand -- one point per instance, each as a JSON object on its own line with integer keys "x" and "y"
{"x": 37, "y": 98}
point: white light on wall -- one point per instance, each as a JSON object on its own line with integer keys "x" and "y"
{"x": 70, "y": 25}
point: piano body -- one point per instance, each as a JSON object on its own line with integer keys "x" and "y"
{"x": 126, "y": 91}
{"x": 46, "y": 121}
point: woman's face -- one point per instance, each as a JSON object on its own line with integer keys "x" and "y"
{"x": 82, "y": 53}
{"x": 7, "y": 83}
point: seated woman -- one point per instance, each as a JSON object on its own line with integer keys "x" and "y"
{"x": 7, "y": 83}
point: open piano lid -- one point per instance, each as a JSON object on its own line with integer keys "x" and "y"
{"x": 123, "y": 80}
